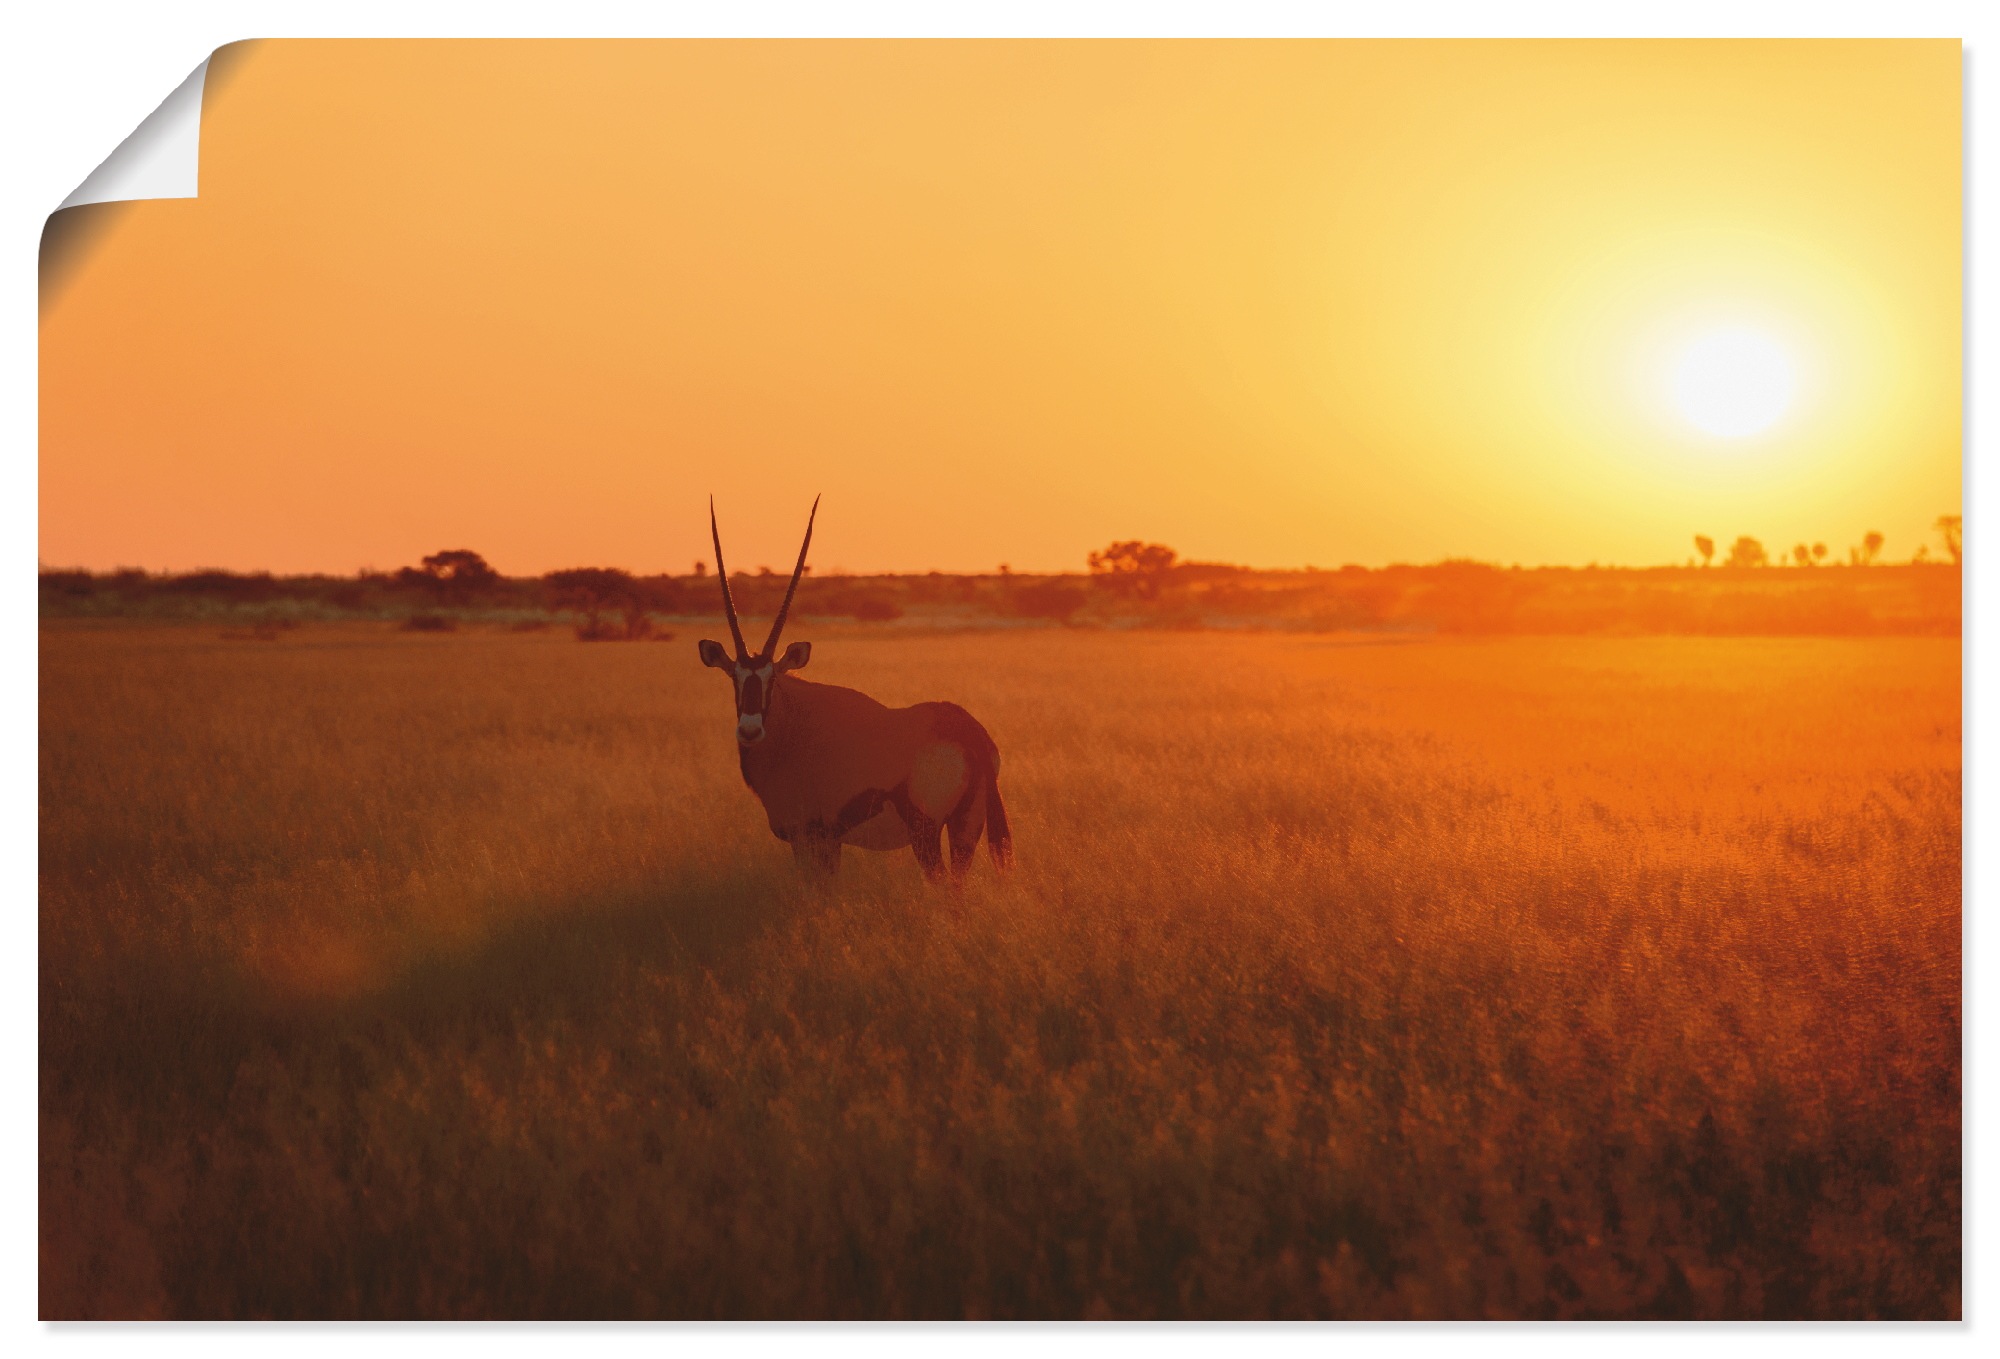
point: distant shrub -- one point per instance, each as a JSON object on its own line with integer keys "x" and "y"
{"x": 678, "y": 596}
{"x": 597, "y": 590}
{"x": 1951, "y": 527}
{"x": 1467, "y": 596}
{"x": 1188, "y": 573}
{"x": 1355, "y": 598}
{"x": 429, "y": 622}
{"x": 257, "y": 586}
{"x": 933, "y": 588}
{"x": 863, "y": 603}
{"x": 637, "y": 627}
{"x": 875, "y": 607}
{"x": 1054, "y": 599}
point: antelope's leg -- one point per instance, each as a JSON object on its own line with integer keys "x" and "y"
{"x": 924, "y": 834}
{"x": 924, "y": 831}
{"x": 963, "y": 827}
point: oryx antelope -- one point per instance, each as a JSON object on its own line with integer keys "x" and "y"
{"x": 833, "y": 767}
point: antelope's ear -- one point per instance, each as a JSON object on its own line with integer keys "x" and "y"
{"x": 795, "y": 657}
{"x": 713, "y": 656}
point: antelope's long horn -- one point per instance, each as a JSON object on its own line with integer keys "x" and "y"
{"x": 771, "y": 647}
{"x": 722, "y": 574}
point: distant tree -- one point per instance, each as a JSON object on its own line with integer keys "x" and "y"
{"x": 455, "y": 574}
{"x": 701, "y": 568}
{"x": 1134, "y": 567}
{"x": 1870, "y": 549}
{"x": 1706, "y": 546}
{"x": 1923, "y": 554}
{"x": 1819, "y": 553}
{"x": 1952, "y": 528}
{"x": 594, "y": 591}
{"x": 461, "y": 565}
{"x": 1747, "y": 551}
{"x": 1801, "y": 555}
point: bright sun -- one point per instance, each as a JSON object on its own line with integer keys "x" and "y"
{"x": 1733, "y": 383}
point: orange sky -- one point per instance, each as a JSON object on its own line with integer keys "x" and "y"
{"x": 1275, "y": 303}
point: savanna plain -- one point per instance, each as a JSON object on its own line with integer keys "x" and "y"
{"x": 393, "y": 974}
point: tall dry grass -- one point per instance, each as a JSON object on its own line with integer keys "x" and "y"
{"x": 400, "y": 975}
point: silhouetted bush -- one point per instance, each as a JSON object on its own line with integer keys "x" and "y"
{"x": 1133, "y": 567}
{"x": 220, "y": 584}
{"x": 1054, "y": 599}
{"x": 1951, "y": 527}
{"x": 1197, "y": 573}
{"x": 454, "y": 576}
{"x": 934, "y": 587}
{"x": 636, "y": 627}
{"x": 1468, "y": 596}
{"x": 866, "y": 603}
{"x": 596, "y": 590}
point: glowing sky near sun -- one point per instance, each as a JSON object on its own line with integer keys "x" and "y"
{"x": 1277, "y": 303}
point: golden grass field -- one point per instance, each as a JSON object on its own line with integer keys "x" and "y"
{"x": 396, "y": 975}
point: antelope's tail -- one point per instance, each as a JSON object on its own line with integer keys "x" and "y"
{"x": 999, "y": 838}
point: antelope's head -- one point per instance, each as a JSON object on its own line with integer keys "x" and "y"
{"x": 755, "y": 676}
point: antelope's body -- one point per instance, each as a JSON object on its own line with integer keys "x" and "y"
{"x": 833, "y": 767}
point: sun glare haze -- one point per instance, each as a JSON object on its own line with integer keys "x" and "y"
{"x": 1734, "y": 383}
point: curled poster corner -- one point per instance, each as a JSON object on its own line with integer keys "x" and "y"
{"x": 161, "y": 159}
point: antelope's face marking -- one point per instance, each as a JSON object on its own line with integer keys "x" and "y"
{"x": 755, "y": 681}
